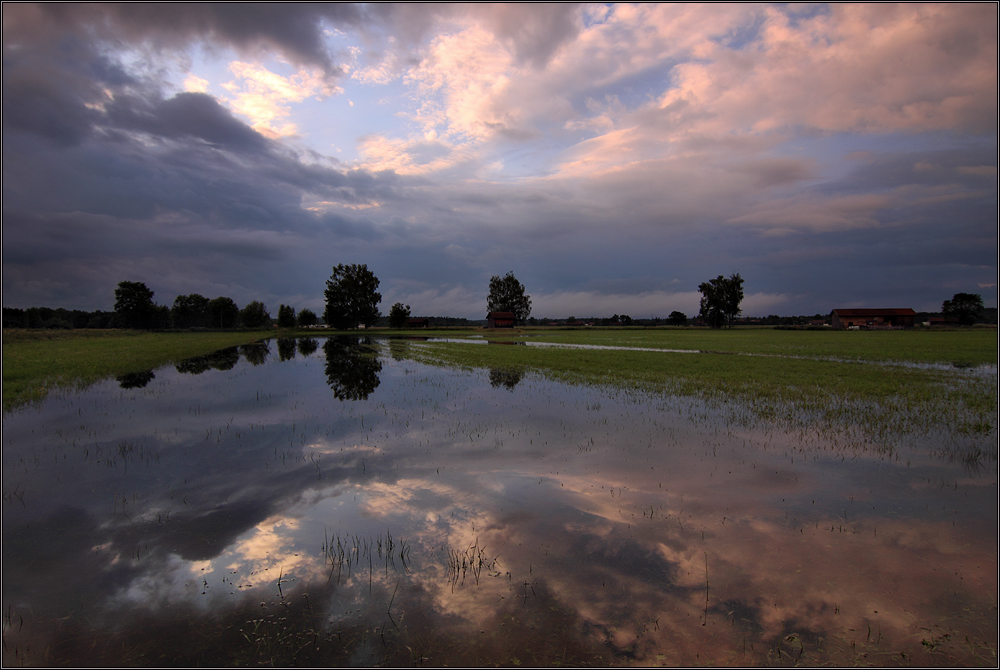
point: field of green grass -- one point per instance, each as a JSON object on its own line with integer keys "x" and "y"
{"x": 914, "y": 378}
{"x": 885, "y": 381}
{"x": 38, "y": 361}
{"x": 964, "y": 347}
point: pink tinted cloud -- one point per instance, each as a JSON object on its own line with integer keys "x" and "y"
{"x": 867, "y": 68}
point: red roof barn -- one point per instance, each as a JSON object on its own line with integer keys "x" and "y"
{"x": 500, "y": 320}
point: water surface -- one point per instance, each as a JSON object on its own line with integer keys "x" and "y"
{"x": 333, "y": 502}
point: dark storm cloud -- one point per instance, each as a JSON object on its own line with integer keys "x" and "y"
{"x": 973, "y": 167}
{"x": 294, "y": 29}
{"x": 103, "y": 169}
{"x": 186, "y": 115}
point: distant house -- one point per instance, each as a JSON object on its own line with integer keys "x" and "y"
{"x": 418, "y": 323}
{"x": 500, "y": 320}
{"x": 873, "y": 319}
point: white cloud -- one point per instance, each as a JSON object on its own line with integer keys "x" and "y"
{"x": 263, "y": 96}
{"x": 195, "y": 84}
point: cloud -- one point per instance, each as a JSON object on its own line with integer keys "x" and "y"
{"x": 253, "y": 29}
{"x": 579, "y": 146}
{"x": 263, "y": 96}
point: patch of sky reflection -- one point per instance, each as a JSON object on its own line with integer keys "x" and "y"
{"x": 237, "y": 487}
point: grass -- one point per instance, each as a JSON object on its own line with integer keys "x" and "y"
{"x": 974, "y": 346}
{"x": 797, "y": 376}
{"x": 37, "y": 361}
{"x": 774, "y": 373}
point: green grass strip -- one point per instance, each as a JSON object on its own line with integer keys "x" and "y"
{"x": 38, "y": 361}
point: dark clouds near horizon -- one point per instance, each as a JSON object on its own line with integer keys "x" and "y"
{"x": 110, "y": 173}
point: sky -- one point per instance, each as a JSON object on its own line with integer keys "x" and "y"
{"x": 613, "y": 157}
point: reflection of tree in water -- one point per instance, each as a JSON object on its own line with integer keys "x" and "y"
{"x": 224, "y": 359}
{"x": 286, "y": 348}
{"x": 351, "y": 368}
{"x": 135, "y": 380}
{"x": 307, "y": 346}
{"x": 506, "y": 377}
{"x": 256, "y": 353}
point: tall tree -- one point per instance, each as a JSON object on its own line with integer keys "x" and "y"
{"x": 255, "y": 315}
{"x": 352, "y": 297}
{"x": 190, "y": 311}
{"x": 286, "y": 316}
{"x": 966, "y": 308}
{"x": 223, "y": 313}
{"x": 307, "y": 317}
{"x": 134, "y": 305}
{"x": 720, "y": 301}
{"x": 507, "y": 295}
{"x": 399, "y": 315}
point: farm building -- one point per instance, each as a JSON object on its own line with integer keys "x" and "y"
{"x": 418, "y": 323}
{"x": 500, "y": 320}
{"x": 873, "y": 318}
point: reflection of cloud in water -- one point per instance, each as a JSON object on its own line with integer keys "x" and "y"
{"x": 639, "y": 584}
{"x": 600, "y": 508}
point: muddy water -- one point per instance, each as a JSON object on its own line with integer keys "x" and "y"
{"x": 335, "y": 503}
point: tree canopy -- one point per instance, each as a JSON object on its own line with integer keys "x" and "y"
{"x": 134, "y": 305}
{"x": 399, "y": 315}
{"x": 255, "y": 315}
{"x": 507, "y": 295}
{"x": 190, "y": 311}
{"x": 720, "y": 301}
{"x": 966, "y": 308}
{"x": 307, "y": 317}
{"x": 352, "y": 297}
{"x": 286, "y": 316}
{"x": 223, "y": 313}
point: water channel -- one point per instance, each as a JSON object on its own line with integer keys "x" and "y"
{"x": 334, "y": 502}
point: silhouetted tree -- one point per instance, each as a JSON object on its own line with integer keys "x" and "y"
{"x": 352, "y": 297}
{"x": 134, "y": 306}
{"x": 286, "y": 316}
{"x": 677, "y": 318}
{"x": 307, "y": 317}
{"x": 399, "y": 315}
{"x": 966, "y": 308}
{"x": 721, "y": 298}
{"x": 255, "y": 315}
{"x": 507, "y": 295}
{"x": 223, "y": 313}
{"x": 190, "y": 311}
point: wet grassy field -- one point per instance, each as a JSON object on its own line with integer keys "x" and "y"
{"x": 410, "y": 501}
{"x": 37, "y": 361}
{"x": 905, "y": 381}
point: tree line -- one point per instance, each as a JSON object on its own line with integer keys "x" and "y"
{"x": 135, "y": 309}
{"x": 352, "y": 300}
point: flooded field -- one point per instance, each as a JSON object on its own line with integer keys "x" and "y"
{"x": 319, "y": 502}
